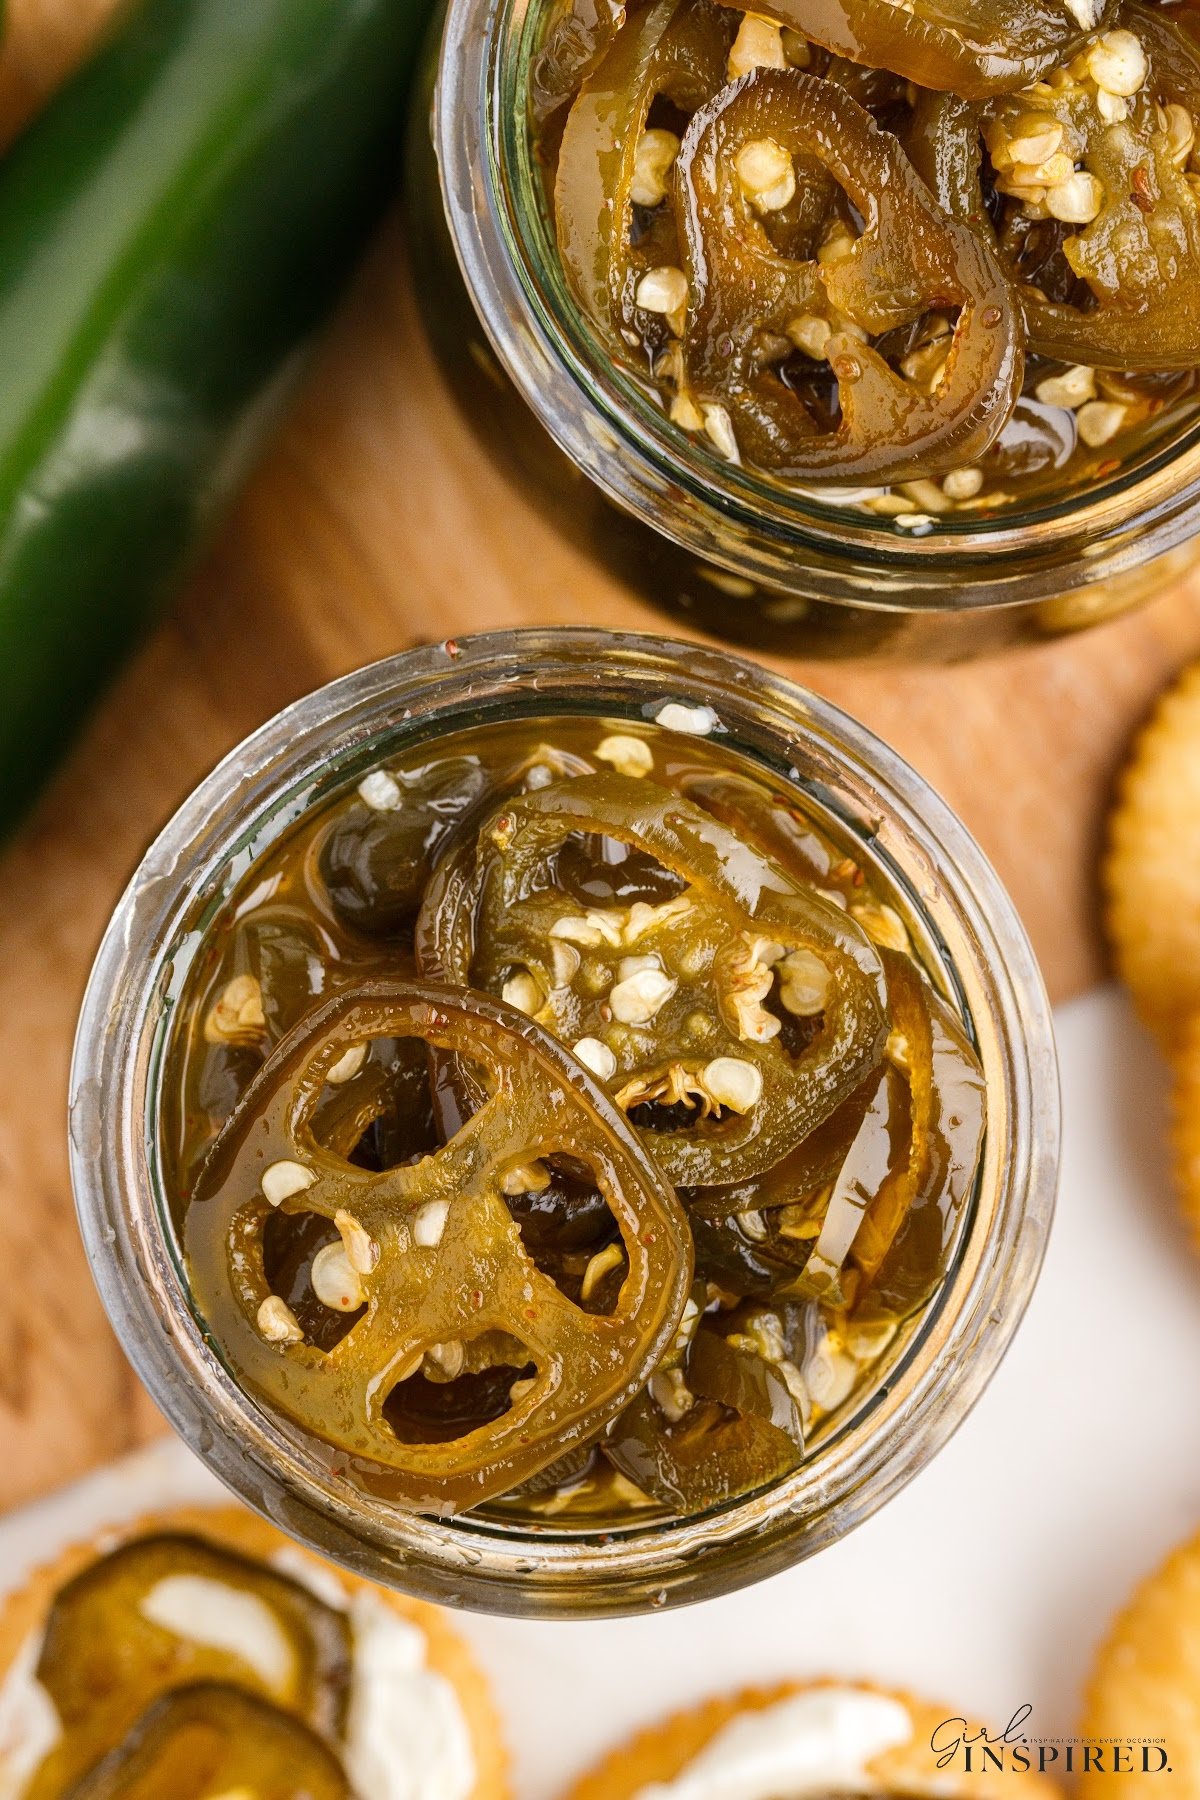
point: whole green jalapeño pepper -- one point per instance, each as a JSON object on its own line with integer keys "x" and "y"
{"x": 172, "y": 230}
{"x": 672, "y": 1001}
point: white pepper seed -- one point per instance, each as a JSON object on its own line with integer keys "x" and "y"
{"x": 653, "y": 161}
{"x": 637, "y": 999}
{"x": 811, "y": 334}
{"x": 429, "y": 1224}
{"x": 335, "y": 1282}
{"x": 285, "y": 1179}
{"x": 1077, "y": 200}
{"x": 524, "y": 991}
{"x": 758, "y": 45}
{"x": 733, "y": 1082}
{"x": 628, "y": 755}
{"x": 1072, "y": 389}
{"x": 597, "y": 1057}
{"x": 380, "y": 791}
{"x": 347, "y": 1065}
{"x": 663, "y": 290}
{"x": 719, "y": 426}
{"x": 278, "y": 1323}
{"x": 766, "y": 173}
{"x": 1099, "y": 422}
{"x": 962, "y": 484}
{"x": 697, "y": 721}
{"x": 1117, "y": 63}
{"x": 611, "y": 1257}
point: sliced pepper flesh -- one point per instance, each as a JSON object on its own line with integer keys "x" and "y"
{"x": 901, "y": 1245}
{"x": 944, "y": 143}
{"x": 669, "y": 49}
{"x": 1136, "y": 264}
{"x": 741, "y": 1429}
{"x": 910, "y": 260}
{"x": 207, "y": 1740}
{"x": 577, "y": 38}
{"x": 374, "y": 859}
{"x": 674, "y": 990}
{"x": 862, "y": 1213}
{"x": 966, "y": 47}
{"x": 435, "y": 1255}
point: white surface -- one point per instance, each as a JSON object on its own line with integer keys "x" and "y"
{"x": 990, "y": 1579}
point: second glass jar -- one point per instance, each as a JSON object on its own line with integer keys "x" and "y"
{"x": 712, "y": 542}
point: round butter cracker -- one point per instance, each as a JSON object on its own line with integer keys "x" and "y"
{"x": 661, "y": 1752}
{"x": 1185, "y": 1124}
{"x": 1152, "y": 865}
{"x": 24, "y": 1612}
{"x": 1146, "y": 1684}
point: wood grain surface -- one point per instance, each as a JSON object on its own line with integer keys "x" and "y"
{"x": 373, "y": 523}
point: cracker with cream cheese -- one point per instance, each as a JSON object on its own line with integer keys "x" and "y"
{"x": 23, "y": 1615}
{"x": 659, "y": 1756}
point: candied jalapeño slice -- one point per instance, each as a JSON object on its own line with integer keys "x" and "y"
{"x": 908, "y": 261}
{"x": 431, "y": 1256}
{"x": 207, "y": 1740}
{"x": 668, "y": 998}
{"x": 967, "y": 47}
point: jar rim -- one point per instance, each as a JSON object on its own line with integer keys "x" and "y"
{"x": 724, "y": 514}
{"x": 254, "y": 794}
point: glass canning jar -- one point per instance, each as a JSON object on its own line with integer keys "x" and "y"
{"x": 862, "y": 796}
{"x": 716, "y": 545}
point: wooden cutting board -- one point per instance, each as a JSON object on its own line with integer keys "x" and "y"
{"x": 376, "y": 522}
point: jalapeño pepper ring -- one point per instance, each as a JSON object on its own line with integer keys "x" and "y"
{"x": 434, "y": 1250}
{"x": 1140, "y": 255}
{"x": 910, "y": 260}
{"x": 967, "y": 47}
{"x": 1134, "y": 263}
{"x": 716, "y": 942}
{"x": 207, "y": 1737}
{"x": 669, "y": 51}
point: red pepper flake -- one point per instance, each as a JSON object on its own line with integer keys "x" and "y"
{"x": 1142, "y": 192}
{"x": 451, "y": 647}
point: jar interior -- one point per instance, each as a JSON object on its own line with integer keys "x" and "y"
{"x": 627, "y": 405}
{"x": 852, "y": 834}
